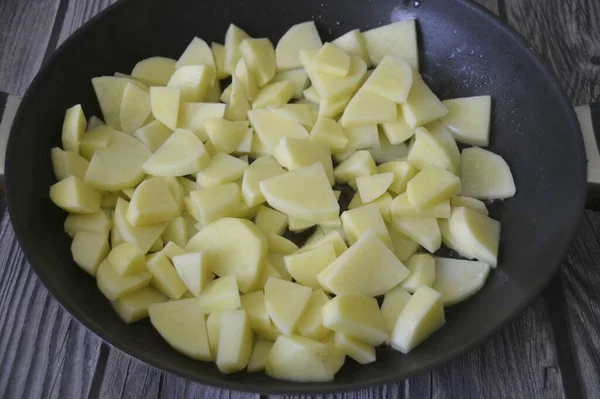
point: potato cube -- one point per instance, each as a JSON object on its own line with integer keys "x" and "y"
{"x": 165, "y": 104}
{"x": 164, "y": 276}
{"x": 427, "y": 151}
{"x": 134, "y": 307}
{"x": 357, "y": 350}
{"x": 213, "y": 203}
{"x": 393, "y": 302}
{"x": 387, "y": 152}
{"x": 193, "y": 271}
{"x": 94, "y": 140}
{"x": 177, "y": 231}
{"x": 373, "y": 186}
{"x": 255, "y": 307}
{"x": 397, "y": 39}
{"x": 281, "y": 245}
{"x": 353, "y": 43}
{"x": 270, "y": 221}
{"x": 476, "y": 235}
{"x": 360, "y": 137}
{"x": 469, "y": 119}
{"x": 154, "y": 71}
{"x": 89, "y": 249}
{"x": 304, "y": 266}
{"x": 235, "y": 342}
{"x": 233, "y": 38}
{"x": 218, "y": 51}
{"x": 399, "y": 131}
{"x": 471, "y": 203}
{"x": 292, "y": 153}
{"x": 431, "y": 186}
{"x": 422, "y": 105}
{"x": 213, "y": 328}
{"x": 182, "y": 154}
{"x": 404, "y": 247}
{"x": 109, "y": 92}
{"x": 219, "y": 295}
{"x": 391, "y": 79}
{"x": 114, "y": 286}
{"x": 486, "y": 175}
{"x": 259, "y": 55}
{"x": 358, "y": 221}
{"x": 245, "y": 77}
{"x": 424, "y": 231}
{"x": 192, "y": 117}
{"x": 285, "y": 302}
{"x": 367, "y": 108}
{"x": 153, "y": 135}
{"x": 270, "y": 127}
{"x": 299, "y": 113}
{"x": 330, "y": 59}
{"x": 116, "y": 169}
{"x": 310, "y": 324}
{"x": 331, "y": 87}
{"x": 303, "y": 36}
{"x": 135, "y": 108}
{"x": 328, "y": 131}
{"x": 196, "y": 53}
{"x": 261, "y": 350}
{"x": 383, "y": 202}
{"x": 360, "y": 163}
{"x": 67, "y": 163}
{"x": 127, "y": 258}
{"x": 142, "y": 236}
{"x": 298, "y": 78}
{"x": 401, "y": 206}
{"x": 458, "y": 279}
{"x": 97, "y": 222}
{"x": 333, "y": 237}
{"x": 402, "y": 171}
{"x": 73, "y": 195}
{"x": 152, "y": 202}
{"x": 226, "y": 135}
{"x": 422, "y": 272}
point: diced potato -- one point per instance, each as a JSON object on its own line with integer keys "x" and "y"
{"x": 398, "y": 39}
{"x": 193, "y": 271}
{"x": 281, "y": 245}
{"x": 471, "y": 203}
{"x": 270, "y": 127}
{"x": 192, "y": 116}
{"x": 220, "y": 243}
{"x": 235, "y": 342}
{"x": 97, "y": 222}
{"x": 164, "y": 276}
{"x": 181, "y": 323}
{"x": 255, "y": 307}
{"x": 218, "y": 51}
{"x": 109, "y": 92}
{"x": 303, "y": 36}
{"x": 258, "y": 360}
{"x": 334, "y": 237}
{"x": 182, "y": 154}
{"x": 89, "y": 250}
{"x": 367, "y": 108}
{"x": 73, "y": 128}
{"x": 431, "y": 186}
{"x": 222, "y": 169}
{"x": 458, "y": 279}
{"x": 311, "y": 95}
{"x": 94, "y": 122}
{"x": 285, "y": 302}
{"x": 298, "y": 78}
{"x": 142, "y": 236}
{"x": 360, "y": 137}
{"x": 304, "y": 266}
{"x": 193, "y": 82}
{"x": 233, "y": 38}
{"x": 357, "y": 350}
{"x": 74, "y": 196}
{"x": 328, "y": 131}
{"x": 298, "y": 225}
{"x": 293, "y": 153}
{"x": 296, "y": 358}
{"x": 152, "y": 202}
{"x": 393, "y": 302}
{"x": 261, "y": 169}
{"x": 172, "y": 250}
{"x": 246, "y": 78}
{"x": 475, "y": 234}
{"x": 330, "y": 59}
{"x": 401, "y": 206}
{"x": 402, "y": 171}
{"x": 404, "y": 247}
{"x": 469, "y": 119}
{"x": 383, "y": 202}
{"x": 392, "y": 79}
{"x": 259, "y": 55}
{"x": 359, "y": 220}
{"x": 226, "y": 135}
{"x": 422, "y": 316}
{"x": 127, "y": 258}
{"x": 422, "y": 272}
{"x": 245, "y": 146}
{"x": 165, "y": 104}
{"x": 353, "y": 43}
{"x": 226, "y": 94}
{"x": 213, "y": 328}
{"x": 219, "y": 295}
{"x": 348, "y": 274}
{"x": 177, "y": 231}
{"x": 356, "y": 315}
{"x": 115, "y": 237}
{"x": 114, "y": 286}
{"x": 335, "y": 87}
{"x": 288, "y": 194}
{"x": 135, "y": 108}
{"x": 424, "y": 231}
{"x": 94, "y": 140}
{"x": 360, "y": 163}
{"x": 298, "y": 113}
{"x": 485, "y": 175}
{"x": 399, "y": 131}
{"x": 422, "y": 105}
{"x": 387, "y": 152}
{"x": 310, "y": 324}
{"x": 373, "y": 186}
{"x": 197, "y": 53}
{"x": 273, "y": 94}
{"x": 238, "y": 106}
{"x": 154, "y": 71}
{"x": 109, "y": 200}
{"x": 447, "y": 141}
{"x": 428, "y": 152}
{"x": 153, "y": 135}
{"x": 213, "y": 203}
{"x": 68, "y": 163}
{"x": 270, "y": 221}
{"x": 134, "y": 307}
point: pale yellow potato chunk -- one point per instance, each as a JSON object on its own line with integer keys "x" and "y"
{"x": 197, "y": 53}
{"x": 330, "y": 59}
{"x": 424, "y": 231}
{"x": 222, "y": 169}
{"x": 469, "y": 119}
{"x": 246, "y": 78}
{"x": 225, "y": 135}
{"x": 297, "y": 225}
{"x": 193, "y": 271}
{"x": 89, "y": 249}
{"x": 298, "y": 78}
{"x": 270, "y": 221}
{"x": 427, "y": 151}
{"x": 303, "y": 36}
{"x": 194, "y": 82}
{"x": 382, "y": 202}
{"x": 335, "y": 88}
{"x": 135, "y": 108}
{"x": 422, "y": 316}
{"x": 360, "y": 163}
{"x": 94, "y": 122}
{"x": 431, "y": 186}
{"x": 310, "y": 324}
{"x": 259, "y": 55}
{"x": 192, "y": 116}
{"x": 68, "y": 163}
{"x": 285, "y": 302}
{"x": 401, "y": 206}
{"x": 357, "y": 350}
{"x": 399, "y": 131}
{"x": 261, "y": 169}
{"x": 393, "y": 302}
{"x": 404, "y": 247}
{"x": 233, "y": 38}
{"x": 152, "y": 202}
{"x": 255, "y": 307}
{"x": 213, "y": 203}
{"x": 114, "y": 286}
{"x": 177, "y": 231}
{"x": 272, "y": 94}
{"x": 157, "y": 246}
{"x": 304, "y": 266}
{"x": 358, "y": 221}
{"x": 271, "y": 128}
{"x": 398, "y": 39}
{"x": 485, "y": 175}
{"x": 359, "y": 137}
{"x": 218, "y": 51}
{"x": 73, "y": 128}
{"x": 387, "y": 152}
{"x": 281, "y": 245}
{"x": 164, "y": 276}
{"x": 127, "y": 258}
{"x": 328, "y": 131}
{"x": 238, "y": 105}
{"x": 258, "y": 359}
{"x": 164, "y": 102}
{"x": 153, "y": 135}
{"x": 293, "y": 153}
{"x": 235, "y": 342}
{"x": 134, "y": 307}
{"x": 373, "y": 186}
{"x": 219, "y": 295}
{"x": 142, "y": 236}
{"x": 154, "y": 71}
{"x": 109, "y": 92}
{"x": 94, "y": 140}
{"x": 468, "y": 202}
{"x": 333, "y": 237}
{"x": 97, "y": 222}
{"x": 402, "y": 171}
{"x": 422, "y": 272}
{"x": 311, "y": 95}
{"x": 299, "y": 113}
{"x": 353, "y": 43}
{"x": 74, "y": 196}
{"x": 422, "y": 105}
{"x": 475, "y": 234}
{"x": 367, "y": 108}
{"x": 458, "y": 279}
{"x": 391, "y": 79}
{"x": 182, "y": 154}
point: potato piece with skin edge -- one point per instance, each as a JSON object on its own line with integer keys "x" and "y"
{"x": 330, "y": 59}
{"x": 431, "y": 186}
{"x": 192, "y": 116}
{"x": 193, "y": 82}
{"x": 398, "y": 39}
{"x": 233, "y": 38}
{"x": 68, "y": 163}
{"x": 182, "y": 154}
{"x": 259, "y": 55}
{"x": 220, "y": 242}
{"x": 270, "y": 221}
{"x": 402, "y": 171}
{"x": 97, "y": 222}
{"x": 303, "y": 36}
{"x": 285, "y": 302}
{"x": 127, "y": 258}
{"x": 74, "y": 196}
{"x": 393, "y": 302}
{"x": 401, "y": 206}
{"x": 310, "y": 324}
{"x": 359, "y": 351}
{"x": 151, "y": 203}
{"x": 135, "y": 108}
{"x": 153, "y": 135}
{"x": 278, "y": 93}
{"x": 422, "y": 105}
{"x": 360, "y": 163}
{"x": 304, "y": 266}
{"x": 271, "y": 128}
{"x": 154, "y": 71}
{"x": 424, "y": 231}
{"x": 422, "y": 316}
{"x": 134, "y": 307}
{"x": 391, "y": 79}
{"x": 328, "y": 131}
{"x": 114, "y": 286}
{"x": 476, "y": 235}
{"x": 165, "y": 104}
{"x": 373, "y": 186}
{"x": 73, "y": 127}
{"x": 485, "y": 175}
{"x": 298, "y": 78}
{"x": 222, "y": 169}
{"x": 353, "y": 43}
{"x": 258, "y": 359}
{"x": 356, "y": 315}
{"x": 89, "y": 250}
{"x": 422, "y": 272}
{"x": 196, "y": 53}
{"x": 458, "y": 279}
{"x": 469, "y": 119}
{"x": 471, "y": 203}
{"x": 193, "y": 271}
{"x": 225, "y": 135}
{"x": 292, "y": 153}
{"x": 184, "y": 329}
{"x": 142, "y": 236}
{"x": 288, "y": 194}
{"x": 255, "y": 307}
{"x": 366, "y": 108}
{"x": 235, "y": 342}
{"x": 261, "y": 169}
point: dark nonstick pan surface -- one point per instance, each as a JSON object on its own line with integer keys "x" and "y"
{"x": 464, "y": 51}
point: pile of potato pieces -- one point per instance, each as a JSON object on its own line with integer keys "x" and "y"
{"x": 177, "y": 205}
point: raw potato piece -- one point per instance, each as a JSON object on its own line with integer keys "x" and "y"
{"x": 134, "y": 307}
{"x": 67, "y": 163}
{"x": 333, "y": 237}
{"x": 218, "y": 51}
{"x": 270, "y": 221}
{"x": 402, "y": 171}
{"x": 292, "y": 153}
{"x": 401, "y": 206}
{"x": 259, "y": 55}
{"x": 458, "y": 279}
{"x": 422, "y": 272}
{"x": 485, "y": 175}
{"x": 261, "y": 169}
{"x": 222, "y": 169}
{"x": 127, "y": 258}
{"x": 475, "y": 234}
{"x": 220, "y": 295}
{"x": 427, "y": 151}
{"x": 255, "y": 307}
{"x": 225, "y": 135}
{"x": 328, "y": 131}
{"x": 304, "y": 266}
{"x": 399, "y": 131}
{"x": 89, "y": 249}
{"x": 358, "y": 221}
{"x": 278, "y": 93}
{"x": 192, "y": 116}
{"x": 258, "y": 360}
{"x": 164, "y": 276}
{"x": 271, "y": 128}
{"x": 303, "y": 36}
{"x": 212, "y": 203}
{"x": 471, "y": 203}
{"x": 404, "y": 247}
{"x": 359, "y": 351}
{"x": 154, "y": 71}
{"x": 353, "y": 43}
{"x": 397, "y": 39}
{"x": 181, "y": 324}
{"x": 246, "y": 78}
{"x": 422, "y": 316}
{"x": 142, "y": 236}
{"x": 431, "y": 186}
{"x": 94, "y": 140}
{"x": 298, "y": 78}
{"x": 153, "y": 135}
{"x": 335, "y": 88}
{"x": 193, "y": 81}
{"x": 152, "y": 202}
{"x": 368, "y": 267}
{"x": 425, "y": 231}
{"x": 303, "y": 193}
{"x": 233, "y": 38}
{"x": 74, "y": 196}
{"x": 135, "y": 108}
{"x": 392, "y": 79}
{"x": 469, "y": 119}
{"x": 286, "y": 302}
{"x": 332, "y": 60}
{"x": 237, "y": 107}
{"x": 373, "y": 186}
{"x": 387, "y": 152}
{"x": 310, "y": 324}
{"x": 367, "y": 108}
{"x": 109, "y": 92}
{"x": 73, "y": 128}
{"x": 193, "y": 271}
{"x": 220, "y": 243}
{"x": 393, "y": 302}
{"x": 165, "y": 104}
{"x": 281, "y": 245}
{"x": 97, "y": 222}
{"x": 197, "y": 53}
{"x": 422, "y": 105}
{"x": 299, "y": 113}
{"x": 235, "y": 342}
{"x": 182, "y": 154}
{"x": 383, "y": 203}
{"x": 114, "y": 286}
{"x": 360, "y": 163}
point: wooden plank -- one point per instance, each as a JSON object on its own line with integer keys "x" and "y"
{"x": 177, "y": 387}
{"x": 78, "y": 13}
{"x": 26, "y": 27}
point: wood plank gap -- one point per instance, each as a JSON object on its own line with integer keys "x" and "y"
{"x": 59, "y": 21}
{"x": 502, "y": 10}
{"x": 96, "y": 385}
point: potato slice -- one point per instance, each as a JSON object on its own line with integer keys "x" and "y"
{"x": 73, "y": 128}
{"x": 218, "y": 51}
{"x": 422, "y": 316}
{"x": 235, "y": 342}
{"x": 373, "y": 186}
{"x": 259, "y": 55}
{"x": 353, "y": 43}
{"x": 261, "y": 169}
{"x": 222, "y": 169}
{"x": 422, "y": 272}
{"x": 142, "y": 236}
{"x": 226, "y": 135}
{"x": 399, "y": 131}
{"x": 220, "y": 242}
{"x": 485, "y": 175}
{"x": 181, "y": 323}
{"x": 233, "y": 38}
{"x": 458, "y": 279}
{"x": 328, "y": 131}
{"x": 367, "y": 108}
{"x": 97, "y": 222}
{"x": 109, "y": 92}
{"x": 285, "y": 302}
{"x": 193, "y": 271}
{"x": 397, "y": 39}
{"x": 213, "y": 203}
{"x": 330, "y": 59}
{"x": 296, "y": 358}
{"x": 127, "y": 258}
{"x": 402, "y": 171}
{"x": 135, "y": 108}
{"x": 134, "y": 307}
{"x": 68, "y": 163}
{"x": 154, "y": 71}
{"x": 424, "y": 231}
{"x": 401, "y": 206}
{"x": 89, "y": 249}
{"x": 258, "y": 360}
{"x": 192, "y": 116}
{"x": 393, "y": 302}
{"x": 333, "y": 237}
{"x": 359, "y": 220}
{"x": 475, "y": 234}
{"x": 273, "y": 94}
{"x": 471, "y": 203}
{"x": 431, "y": 186}
{"x": 392, "y": 79}
{"x": 182, "y": 154}
{"x": 360, "y": 163}
{"x": 193, "y": 81}
{"x": 422, "y": 105}
{"x": 153, "y": 135}
{"x": 347, "y": 273}
{"x": 288, "y": 194}
{"x": 304, "y": 266}
{"x": 152, "y": 202}
{"x": 404, "y": 247}
{"x": 292, "y": 153}
{"x": 114, "y": 286}
{"x": 335, "y": 88}
{"x": 255, "y": 307}
{"x": 197, "y": 53}
{"x": 303, "y": 36}
{"x": 271, "y": 128}
{"x": 164, "y": 102}
{"x": 356, "y": 315}
{"x": 270, "y": 221}
{"x": 357, "y": 350}
{"x": 74, "y": 196}
{"x": 298, "y": 78}
{"x": 387, "y": 152}
{"x": 469, "y": 119}
{"x": 310, "y": 324}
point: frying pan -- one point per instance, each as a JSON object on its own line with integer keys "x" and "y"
{"x": 464, "y": 51}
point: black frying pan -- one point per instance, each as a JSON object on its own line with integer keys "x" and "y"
{"x": 465, "y": 51}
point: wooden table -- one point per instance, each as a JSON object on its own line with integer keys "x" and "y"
{"x": 551, "y": 350}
